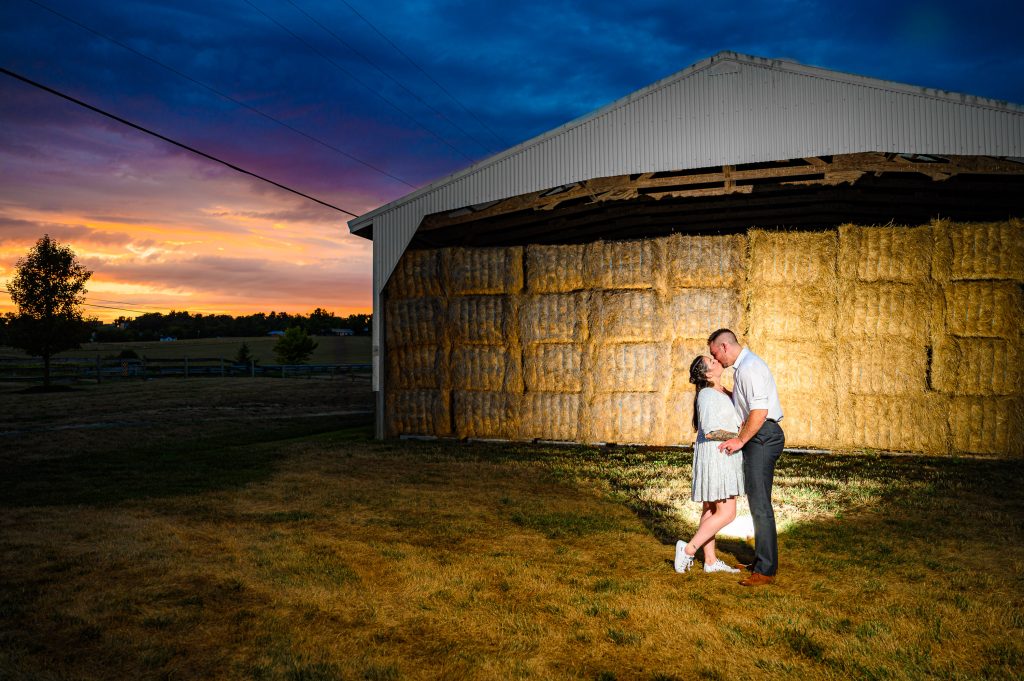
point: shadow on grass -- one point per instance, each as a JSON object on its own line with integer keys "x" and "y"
{"x": 164, "y": 468}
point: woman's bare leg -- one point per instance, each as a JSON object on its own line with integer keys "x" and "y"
{"x": 722, "y": 513}
{"x": 709, "y": 546}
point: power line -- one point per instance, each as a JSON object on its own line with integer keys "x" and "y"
{"x": 151, "y": 311}
{"x": 8, "y": 292}
{"x": 222, "y": 94}
{"x": 121, "y": 309}
{"x": 79, "y": 102}
{"x": 421, "y": 70}
{"x": 356, "y": 79}
{"x": 388, "y": 76}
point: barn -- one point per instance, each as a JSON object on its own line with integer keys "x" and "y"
{"x": 863, "y": 236}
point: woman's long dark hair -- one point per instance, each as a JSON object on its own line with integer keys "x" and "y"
{"x": 699, "y": 377}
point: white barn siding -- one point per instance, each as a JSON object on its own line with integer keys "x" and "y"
{"x": 726, "y": 110}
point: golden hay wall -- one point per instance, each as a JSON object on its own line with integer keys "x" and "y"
{"x": 886, "y": 337}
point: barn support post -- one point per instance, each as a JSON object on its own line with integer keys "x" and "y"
{"x": 379, "y": 358}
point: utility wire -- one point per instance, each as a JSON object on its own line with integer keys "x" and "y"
{"x": 79, "y": 102}
{"x": 421, "y": 70}
{"x": 221, "y": 94}
{"x": 388, "y": 76}
{"x": 356, "y": 79}
{"x": 155, "y": 310}
{"x": 122, "y": 309}
{"x": 8, "y": 292}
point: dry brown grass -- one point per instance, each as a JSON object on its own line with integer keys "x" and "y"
{"x": 337, "y": 557}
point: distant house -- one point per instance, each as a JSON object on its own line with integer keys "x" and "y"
{"x": 167, "y": 339}
{"x": 275, "y": 333}
{"x": 343, "y": 332}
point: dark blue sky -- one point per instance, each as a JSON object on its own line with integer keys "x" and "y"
{"x": 516, "y": 69}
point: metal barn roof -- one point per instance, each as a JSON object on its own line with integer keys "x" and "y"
{"x": 725, "y": 110}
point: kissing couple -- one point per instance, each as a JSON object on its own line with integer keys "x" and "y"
{"x": 739, "y": 439}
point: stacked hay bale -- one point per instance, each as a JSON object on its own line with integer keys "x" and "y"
{"x": 483, "y": 287}
{"x": 553, "y": 317}
{"x": 627, "y": 348}
{"x": 882, "y": 337}
{"x": 978, "y": 350}
{"x": 889, "y": 307}
{"x": 418, "y": 345}
{"x": 792, "y": 294}
{"x": 704, "y": 277}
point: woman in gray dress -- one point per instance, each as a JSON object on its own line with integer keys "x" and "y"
{"x": 717, "y": 476}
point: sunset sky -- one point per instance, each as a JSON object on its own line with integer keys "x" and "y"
{"x": 356, "y": 103}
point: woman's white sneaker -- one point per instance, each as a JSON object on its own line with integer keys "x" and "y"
{"x": 719, "y": 566}
{"x": 683, "y": 561}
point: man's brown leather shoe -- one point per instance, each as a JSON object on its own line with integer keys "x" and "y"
{"x": 757, "y": 579}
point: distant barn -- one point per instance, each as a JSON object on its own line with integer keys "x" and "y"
{"x": 863, "y": 236}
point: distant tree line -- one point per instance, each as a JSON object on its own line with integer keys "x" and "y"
{"x": 182, "y": 325}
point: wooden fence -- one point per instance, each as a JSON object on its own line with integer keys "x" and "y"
{"x": 99, "y": 369}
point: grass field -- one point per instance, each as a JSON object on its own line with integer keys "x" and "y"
{"x": 252, "y": 529}
{"x": 330, "y": 350}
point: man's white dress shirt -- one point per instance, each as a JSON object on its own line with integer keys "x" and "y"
{"x": 754, "y": 387}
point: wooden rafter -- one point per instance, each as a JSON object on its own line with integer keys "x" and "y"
{"x": 743, "y": 179}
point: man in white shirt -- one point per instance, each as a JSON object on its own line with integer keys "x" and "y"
{"x": 761, "y": 439}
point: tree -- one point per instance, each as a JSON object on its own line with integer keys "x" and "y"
{"x": 294, "y": 347}
{"x": 244, "y": 355}
{"x": 49, "y": 289}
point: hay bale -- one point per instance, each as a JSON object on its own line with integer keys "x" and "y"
{"x": 978, "y": 366}
{"x": 623, "y": 417}
{"x": 874, "y": 367}
{"x": 679, "y": 418}
{"x": 899, "y": 423}
{"x": 809, "y": 417}
{"x": 554, "y": 318}
{"x": 887, "y": 253}
{"x": 985, "y": 309}
{"x": 706, "y": 261}
{"x": 625, "y": 264}
{"x": 792, "y": 313}
{"x": 552, "y": 416}
{"x": 481, "y": 319}
{"x": 417, "y": 366}
{"x": 987, "y": 425}
{"x": 696, "y": 312}
{"x": 486, "y": 367}
{"x": 417, "y": 275}
{"x": 789, "y": 257}
{"x": 553, "y": 367}
{"x": 985, "y": 250}
{"x": 415, "y": 321}
{"x": 803, "y": 366}
{"x": 888, "y": 310}
{"x": 632, "y": 367}
{"x": 479, "y": 271}
{"x": 554, "y": 269}
{"x": 418, "y": 412}
{"x": 485, "y": 414}
{"x": 628, "y": 317}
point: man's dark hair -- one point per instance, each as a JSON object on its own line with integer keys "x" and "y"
{"x": 714, "y": 336}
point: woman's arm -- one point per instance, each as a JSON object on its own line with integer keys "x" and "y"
{"x": 721, "y": 435}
